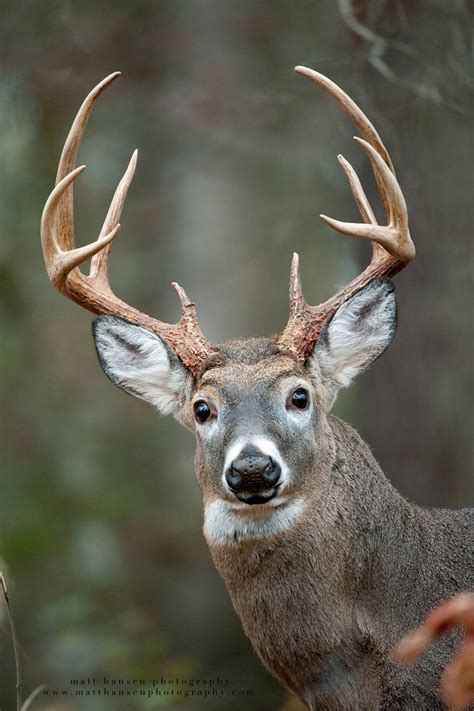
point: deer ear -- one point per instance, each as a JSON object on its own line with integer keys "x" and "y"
{"x": 140, "y": 363}
{"x": 356, "y": 335}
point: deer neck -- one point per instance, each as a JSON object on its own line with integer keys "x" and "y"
{"x": 306, "y": 593}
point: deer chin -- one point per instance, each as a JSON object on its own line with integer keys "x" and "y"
{"x": 231, "y": 522}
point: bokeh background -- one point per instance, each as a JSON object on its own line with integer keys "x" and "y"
{"x": 100, "y": 513}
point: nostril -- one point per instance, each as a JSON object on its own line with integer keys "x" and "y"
{"x": 233, "y": 478}
{"x": 272, "y": 472}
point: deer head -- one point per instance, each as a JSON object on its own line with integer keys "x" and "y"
{"x": 258, "y": 407}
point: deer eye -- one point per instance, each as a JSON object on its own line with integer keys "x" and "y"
{"x": 300, "y": 399}
{"x": 202, "y": 411}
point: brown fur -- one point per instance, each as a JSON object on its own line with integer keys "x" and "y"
{"x": 325, "y": 597}
{"x": 325, "y": 601}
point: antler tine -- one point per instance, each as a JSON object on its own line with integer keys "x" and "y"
{"x": 361, "y": 201}
{"x": 391, "y": 243}
{"x": 93, "y": 291}
{"x": 67, "y": 161}
{"x": 394, "y": 237}
{"x": 348, "y": 105}
{"x": 99, "y": 270}
{"x": 357, "y": 116}
{"x": 357, "y": 190}
{"x": 60, "y": 263}
{"x": 297, "y": 300}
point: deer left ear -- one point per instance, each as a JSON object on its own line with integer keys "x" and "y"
{"x": 356, "y": 335}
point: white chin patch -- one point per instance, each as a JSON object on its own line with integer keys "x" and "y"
{"x": 226, "y": 522}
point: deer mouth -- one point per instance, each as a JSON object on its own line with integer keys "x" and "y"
{"x": 261, "y": 498}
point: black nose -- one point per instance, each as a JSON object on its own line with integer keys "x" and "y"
{"x": 252, "y": 471}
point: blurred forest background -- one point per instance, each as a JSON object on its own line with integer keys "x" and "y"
{"x": 100, "y": 513}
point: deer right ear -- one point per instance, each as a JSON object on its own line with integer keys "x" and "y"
{"x": 140, "y": 363}
{"x": 358, "y": 333}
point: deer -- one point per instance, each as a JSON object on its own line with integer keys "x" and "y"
{"x": 326, "y": 564}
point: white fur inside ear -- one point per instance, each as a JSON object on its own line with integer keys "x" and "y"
{"x": 138, "y": 362}
{"x": 358, "y": 333}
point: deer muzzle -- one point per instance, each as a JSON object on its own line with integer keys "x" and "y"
{"x": 253, "y": 476}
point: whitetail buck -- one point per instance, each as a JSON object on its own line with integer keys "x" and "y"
{"x": 326, "y": 564}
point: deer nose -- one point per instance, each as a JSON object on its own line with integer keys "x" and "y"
{"x": 252, "y": 471}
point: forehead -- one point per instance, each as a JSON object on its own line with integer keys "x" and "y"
{"x": 253, "y": 364}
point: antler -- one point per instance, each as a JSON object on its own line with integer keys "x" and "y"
{"x": 93, "y": 291}
{"x": 392, "y": 244}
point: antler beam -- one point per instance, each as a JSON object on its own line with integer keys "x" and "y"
{"x": 392, "y": 250}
